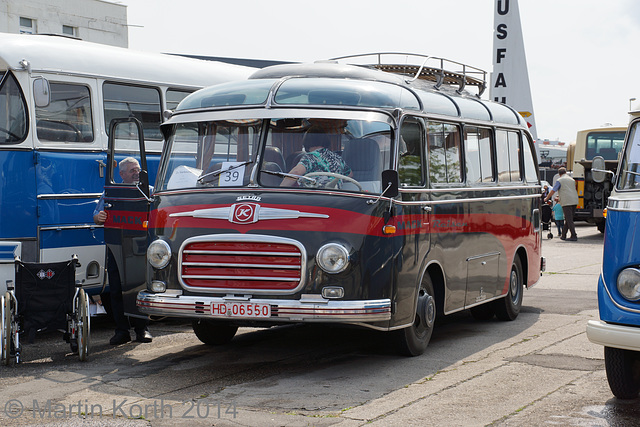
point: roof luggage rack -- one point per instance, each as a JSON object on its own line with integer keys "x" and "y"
{"x": 430, "y": 68}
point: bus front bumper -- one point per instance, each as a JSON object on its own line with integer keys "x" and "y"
{"x": 309, "y": 308}
{"x": 611, "y": 335}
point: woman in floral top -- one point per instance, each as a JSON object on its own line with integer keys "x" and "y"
{"x": 318, "y": 158}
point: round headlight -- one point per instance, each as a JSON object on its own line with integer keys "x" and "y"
{"x": 159, "y": 254}
{"x": 629, "y": 284}
{"x": 333, "y": 258}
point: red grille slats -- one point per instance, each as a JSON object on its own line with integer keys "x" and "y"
{"x": 241, "y": 265}
{"x": 215, "y": 258}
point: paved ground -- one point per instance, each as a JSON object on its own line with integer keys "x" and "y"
{"x": 537, "y": 370}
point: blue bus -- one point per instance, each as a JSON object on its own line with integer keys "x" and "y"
{"x": 57, "y": 98}
{"x": 618, "y": 329}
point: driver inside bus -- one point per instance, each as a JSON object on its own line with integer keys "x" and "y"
{"x": 318, "y": 158}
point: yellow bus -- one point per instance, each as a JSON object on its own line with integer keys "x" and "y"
{"x": 592, "y": 196}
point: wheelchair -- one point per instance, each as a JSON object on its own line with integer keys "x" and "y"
{"x": 46, "y": 296}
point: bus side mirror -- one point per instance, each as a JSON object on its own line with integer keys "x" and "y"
{"x": 41, "y": 92}
{"x": 598, "y": 171}
{"x": 143, "y": 183}
{"x": 390, "y": 182}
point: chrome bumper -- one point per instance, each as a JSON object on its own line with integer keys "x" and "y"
{"x": 309, "y": 308}
{"x": 616, "y": 336}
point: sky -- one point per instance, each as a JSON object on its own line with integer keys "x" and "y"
{"x": 581, "y": 54}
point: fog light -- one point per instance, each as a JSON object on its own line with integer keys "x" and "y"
{"x": 333, "y": 258}
{"x": 158, "y": 286}
{"x": 629, "y": 284}
{"x": 332, "y": 292}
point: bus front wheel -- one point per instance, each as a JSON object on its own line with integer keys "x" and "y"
{"x": 508, "y": 308}
{"x": 623, "y": 372}
{"x": 413, "y": 341}
{"x": 213, "y": 333}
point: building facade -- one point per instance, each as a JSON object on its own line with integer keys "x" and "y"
{"x": 97, "y": 21}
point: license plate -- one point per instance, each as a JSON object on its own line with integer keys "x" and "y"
{"x": 240, "y": 309}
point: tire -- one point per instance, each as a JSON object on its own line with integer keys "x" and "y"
{"x": 623, "y": 372}
{"x": 482, "y": 312}
{"x": 508, "y": 308}
{"x": 83, "y": 325}
{"x": 413, "y": 341}
{"x": 213, "y": 333}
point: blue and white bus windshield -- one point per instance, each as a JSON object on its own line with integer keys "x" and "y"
{"x": 630, "y": 168}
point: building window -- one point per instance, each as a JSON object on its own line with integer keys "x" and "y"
{"x": 27, "y": 25}
{"x": 69, "y": 31}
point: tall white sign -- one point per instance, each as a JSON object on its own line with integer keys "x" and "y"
{"x": 510, "y": 78}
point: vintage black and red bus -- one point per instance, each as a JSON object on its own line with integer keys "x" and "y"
{"x": 375, "y": 195}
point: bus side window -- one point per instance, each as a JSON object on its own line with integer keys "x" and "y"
{"x": 478, "y": 155}
{"x": 507, "y": 154}
{"x": 443, "y": 141}
{"x": 143, "y": 103}
{"x": 411, "y": 155}
{"x": 174, "y": 96}
{"x": 68, "y": 117}
{"x": 530, "y": 170}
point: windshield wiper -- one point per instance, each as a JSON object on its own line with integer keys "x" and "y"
{"x": 219, "y": 171}
{"x": 290, "y": 175}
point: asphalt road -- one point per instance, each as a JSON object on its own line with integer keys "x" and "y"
{"x": 537, "y": 370}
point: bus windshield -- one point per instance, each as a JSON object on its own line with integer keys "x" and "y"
{"x": 605, "y": 144}
{"x": 630, "y": 169}
{"x": 13, "y": 111}
{"x": 313, "y": 153}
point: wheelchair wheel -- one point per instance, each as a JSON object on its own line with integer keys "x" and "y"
{"x": 82, "y": 324}
{"x": 5, "y": 334}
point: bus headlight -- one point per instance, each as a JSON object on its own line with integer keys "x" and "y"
{"x": 333, "y": 258}
{"x": 159, "y": 254}
{"x": 629, "y": 284}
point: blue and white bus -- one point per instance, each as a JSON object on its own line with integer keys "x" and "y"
{"x": 618, "y": 329}
{"x": 57, "y": 99}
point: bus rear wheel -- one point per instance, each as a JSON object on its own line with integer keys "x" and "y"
{"x": 508, "y": 308}
{"x": 623, "y": 372}
{"x": 413, "y": 341}
{"x": 213, "y": 333}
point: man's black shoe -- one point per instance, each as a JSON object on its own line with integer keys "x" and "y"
{"x": 120, "y": 338}
{"x": 144, "y": 336}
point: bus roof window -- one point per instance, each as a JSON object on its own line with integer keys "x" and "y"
{"x": 472, "y": 109}
{"x": 252, "y": 92}
{"x": 327, "y": 91}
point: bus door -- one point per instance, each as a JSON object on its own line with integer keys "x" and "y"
{"x": 69, "y": 174}
{"x": 414, "y": 224}
{"x": 127, "y": 207}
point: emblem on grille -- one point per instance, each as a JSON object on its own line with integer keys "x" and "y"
{"x": 248, "y": 213}
{"x": 244, "y": 213}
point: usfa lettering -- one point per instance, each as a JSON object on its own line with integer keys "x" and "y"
{"x": 127, "y": 219}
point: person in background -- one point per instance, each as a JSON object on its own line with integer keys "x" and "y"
{"x": 565, "y": 186}
{"x": 558, "y": 215}
{"x": 129, "y": 169}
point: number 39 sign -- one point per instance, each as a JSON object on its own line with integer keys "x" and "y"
{"x": 233, "y": 177}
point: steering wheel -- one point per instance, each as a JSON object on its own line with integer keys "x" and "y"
{"x": 336, "y": 178}
{"x": 11, "y": 134}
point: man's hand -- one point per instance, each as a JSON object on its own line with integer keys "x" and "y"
{"x": 100, "y": 218}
